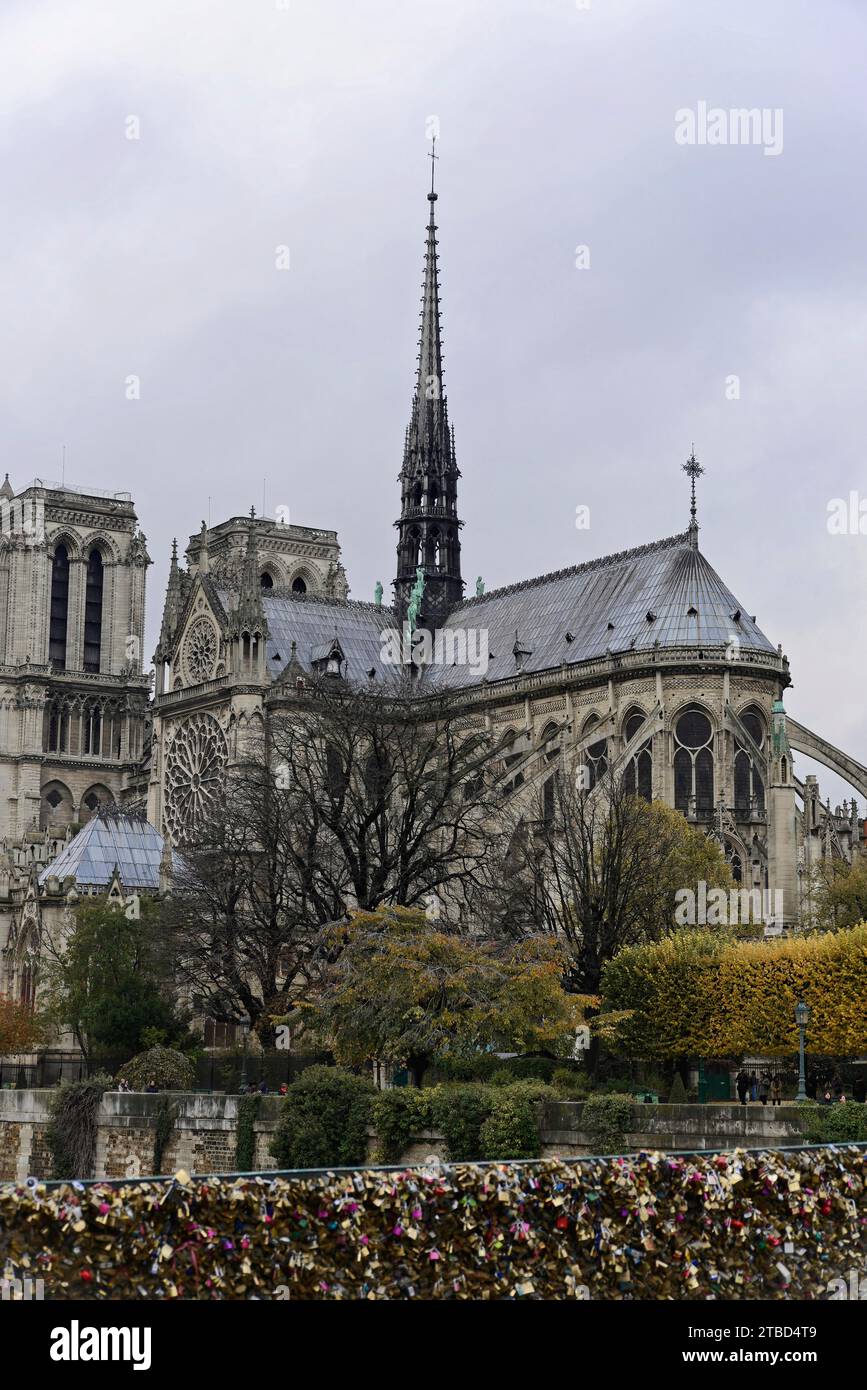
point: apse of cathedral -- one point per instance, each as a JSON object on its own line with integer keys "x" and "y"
{"x": 643, "y": 662}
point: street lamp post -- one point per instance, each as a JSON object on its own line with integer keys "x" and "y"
{"x": 802, "y": 1018}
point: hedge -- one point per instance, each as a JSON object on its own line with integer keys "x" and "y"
{"x": 652, "y": 1226}
{"x": 702, "y": 993}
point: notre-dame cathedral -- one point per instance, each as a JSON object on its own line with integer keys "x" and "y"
{"x": 642, "y": 661}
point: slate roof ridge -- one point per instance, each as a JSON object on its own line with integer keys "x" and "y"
{"x": 326, "y": 600}
{"x": 601, "y": 561}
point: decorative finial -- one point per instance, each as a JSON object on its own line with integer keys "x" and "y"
{"x": 252, "y": 513}
{"x": 693, "y": 469}
{"x": 433, "y": 156}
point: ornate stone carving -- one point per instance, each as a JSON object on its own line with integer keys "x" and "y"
{"x": 195, "y": 768}
{"x": 201, "y": 650}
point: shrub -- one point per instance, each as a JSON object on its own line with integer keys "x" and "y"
{"x": 606, "y": 1118}
{"x": 398, "y": 1114}
{"x": 503, "y": 1077}
{"x": 699, "y": 993}
{"x": 511, "y": 1129}
{"x": 324, "y": 1120}
{"x": 677, "y": 1094}
{"x": 172, "y": 1071}
{"x": 569, "y": 1084}
{"x": 836, "y": 1124}
{"x": 533, "y": 1068}
{"x": 479, "y": 1067}
{"x": 71, "y": 1131}
{"x": 459, "y": 1113}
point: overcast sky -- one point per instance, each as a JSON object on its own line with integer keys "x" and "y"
{"x": 263, "y": 125}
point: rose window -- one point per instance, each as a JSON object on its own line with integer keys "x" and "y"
{"x": 195, "y": 768}
{"x": 200, "y": 650}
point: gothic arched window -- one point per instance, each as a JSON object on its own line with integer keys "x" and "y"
{"x": 693, "y": 760}
{"x": 595, "y": 757}
{"x": 748, "y": 778}
{"x": 59, "y": 608}
{"x": 639, "y": 773}
{"x": 550, "y": 743}
{"x": 93, "y": 612}
{"x": 266, "y": 581}
{"x": 298, "y": 586}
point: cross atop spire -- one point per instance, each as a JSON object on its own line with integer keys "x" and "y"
{"x": 433, "y": 156}
{"x": 693, "y": 469}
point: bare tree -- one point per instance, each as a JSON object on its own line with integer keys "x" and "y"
{"x": 602, "y": 866}
{"x": 351, "y": 799}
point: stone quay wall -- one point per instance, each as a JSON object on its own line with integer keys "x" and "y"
{"x": 204, "y": 1133}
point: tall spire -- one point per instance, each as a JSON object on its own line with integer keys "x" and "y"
{"x": 428, "y": 526}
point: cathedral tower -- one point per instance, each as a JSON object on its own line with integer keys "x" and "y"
{"x": 73, "y": 699}
{"x": 428, "y": 528}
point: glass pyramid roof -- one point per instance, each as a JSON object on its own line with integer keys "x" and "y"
{"x": 129, "y": 842}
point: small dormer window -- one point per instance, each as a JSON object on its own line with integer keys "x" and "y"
{"x": 650, "y": 615}
{"x": 333, "y": 665}
{"x": 692, "y": 612}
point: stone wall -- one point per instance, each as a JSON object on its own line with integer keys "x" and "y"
{"x": 203, "y": 1138}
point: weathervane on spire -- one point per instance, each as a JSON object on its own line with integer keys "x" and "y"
{"x": 693, "y": 469}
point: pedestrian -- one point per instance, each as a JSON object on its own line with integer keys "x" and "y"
{"x": 284, "y": 1089}
{"x": 827, "y": 1098}
{"x": 263, "y": 1087}
{"x": 754, "y": 1086}
{"x": 765, "y": 1087}
{"x": 742, "y": 1082}
{"x": 776, "y": 1091}
{"x": 123, "y": 1086}
{"x": 152, "y": 1087}
{"x": 859, "y": 1090}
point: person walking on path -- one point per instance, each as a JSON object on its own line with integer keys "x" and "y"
{"x": 742, "y": 1082}
{"x": 776, "y": 1091}
{"x": 754, "y": 1086}
{"x": 764, "y": 1087}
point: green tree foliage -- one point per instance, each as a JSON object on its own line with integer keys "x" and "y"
{"x": 404, "y": 991}
{"x": 839, "y": 893}
{"x": 702, "y": 993}
{"x": 110, "y": 982}
{"x": 324, "y": 1120}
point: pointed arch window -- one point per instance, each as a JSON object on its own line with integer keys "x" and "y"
{"x": 749, "y": 784}
{"x": 639, "y": 772}
{"x": 595, "y": 757}
{"x": 693, "y": 761}
{"x": 298, "y": 586}
{"x": 93, "y": 612}
{"x": 59, "y": 608}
